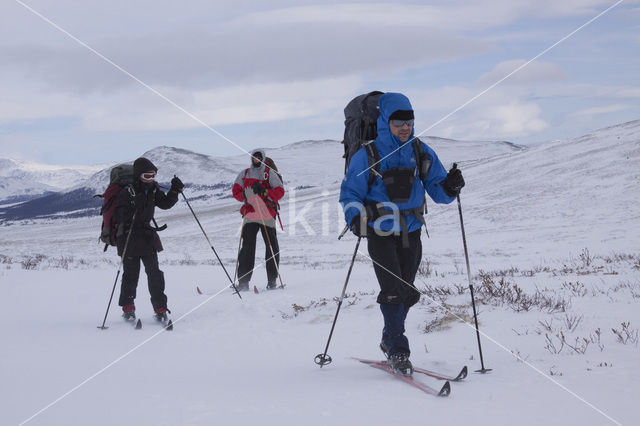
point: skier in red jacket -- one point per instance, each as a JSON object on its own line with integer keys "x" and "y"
{"x": 259, "y": 188}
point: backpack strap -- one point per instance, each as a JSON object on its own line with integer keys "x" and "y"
{"x": 267, "y": 174}
{"x": 373, "y": 155}
{"x": 423, "y": 163}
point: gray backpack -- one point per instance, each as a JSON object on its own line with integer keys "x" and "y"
{"x": 361, "y": 128}
{"x": 360, "y": 125}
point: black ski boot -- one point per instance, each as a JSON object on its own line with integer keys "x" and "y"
{"x": 129, "y": 312}
{"x": 160, "y": 314}
{"x": 400, "y": 364}
{"x": 243, "y": 286}
{"x": 129, "y": 315}
{"x": 385, "y": 349}
{"x": 271, "y": 285}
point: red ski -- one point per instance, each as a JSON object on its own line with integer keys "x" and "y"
{"x": 384, "y": 366}
{"x": 461, "y": 375}
{"x": 440, "y": 376}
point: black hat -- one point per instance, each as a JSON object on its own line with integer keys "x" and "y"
{"x": 402, "y": 114}
{"x": 142, "y": 165}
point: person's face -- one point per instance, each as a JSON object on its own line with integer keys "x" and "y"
{"x": 256, "y": 160}
{"x": 148, "y": 177}
{"x": 402, "y": 132}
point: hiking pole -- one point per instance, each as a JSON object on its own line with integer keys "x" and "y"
{"x": 211, "y": 245}
{"x": 324, "y": 359}
{"x": 473, "y": 303}
{"x": 124, "y": 253}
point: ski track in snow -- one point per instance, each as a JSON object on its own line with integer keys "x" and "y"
{"x": 539, "y": 215}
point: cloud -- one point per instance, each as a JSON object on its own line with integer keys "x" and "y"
{"x": 279, "y": 45}
{"x": 249, "y": 62}
{"x": 459, "y": 16}
{"x": 601, "y": 110}
{"x": 534, "y": 72}
{"x": 516, "y": 119}
{"x": 231, "y": 105}
{"x": 628, "y": 92}
{"x": 500, "y": 113}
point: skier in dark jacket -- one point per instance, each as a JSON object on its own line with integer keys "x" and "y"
{"x": 144, "y": 244}
{"x": 259, "y": 188}
{"x": 393, "y": 205}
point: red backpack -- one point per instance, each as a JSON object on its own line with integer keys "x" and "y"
{"x": 121, "y": 176}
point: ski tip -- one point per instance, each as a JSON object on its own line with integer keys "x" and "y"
{"x": 198, "y": 290}
{"x": 463, "y": 373}
{"x": 138, "y": 324}
{"x": 255, "y": 289}
{"x": 446, "y": 389}
{"x": 169, "y": 326}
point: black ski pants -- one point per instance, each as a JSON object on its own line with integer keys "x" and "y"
{"x": 395, "y": 267}
{"x": 247, "y": 256}
{"x": 155, "y": 280}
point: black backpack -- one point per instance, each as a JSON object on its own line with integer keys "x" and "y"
{"x": 361, "y": 128}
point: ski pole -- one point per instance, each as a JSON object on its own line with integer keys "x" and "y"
{"x": 235, "y": 274}
{"x": 473, "y": 303}
{"x": 324, "y": 359}
{"x": 124, "y": 253}
{"x": 211, "y": 245}
{"x": 258, "y": 208}
{"x": 344, "y": 231}
{"x": 273, "y": 256}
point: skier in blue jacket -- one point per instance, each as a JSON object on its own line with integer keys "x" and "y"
{"x": 388, "y": 211}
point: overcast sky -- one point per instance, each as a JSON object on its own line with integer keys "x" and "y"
{"x": 271, "y": 73}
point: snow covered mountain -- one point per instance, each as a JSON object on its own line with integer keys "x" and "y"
{"x": 23, "y": 180}
{"x": 208, "y": 177}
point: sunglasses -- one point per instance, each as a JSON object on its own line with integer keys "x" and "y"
{"x": 400, "y": 123}
{"x": 148, "y": 176}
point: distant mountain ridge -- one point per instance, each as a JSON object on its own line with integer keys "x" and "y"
{"x": 24, "y": 180}
{"x": 305, "y": 164}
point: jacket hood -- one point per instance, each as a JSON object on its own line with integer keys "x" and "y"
{"x": 264, "y": 156}
{"x": 388, "y": 104}
{"x": 142, "y": 165}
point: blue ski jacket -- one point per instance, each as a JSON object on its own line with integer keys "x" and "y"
{"x": 355, "y": 188}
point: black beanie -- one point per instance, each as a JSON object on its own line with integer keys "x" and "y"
{"x": 142, "y": 165}
{"x": 402, "y": 114}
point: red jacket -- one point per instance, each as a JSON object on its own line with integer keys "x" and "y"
{"x": 266, "y": 178}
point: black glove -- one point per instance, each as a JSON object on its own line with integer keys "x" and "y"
{"x": 453, "y": 183}
{"x": 176, "y": 184}
{"x": 259, "y": 189}
{"x": 356, "y": 227}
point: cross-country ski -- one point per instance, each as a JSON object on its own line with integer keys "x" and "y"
{"x": 445, "y": 390}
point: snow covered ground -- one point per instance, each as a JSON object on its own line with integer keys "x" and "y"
{"x": 553, "y": 236}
